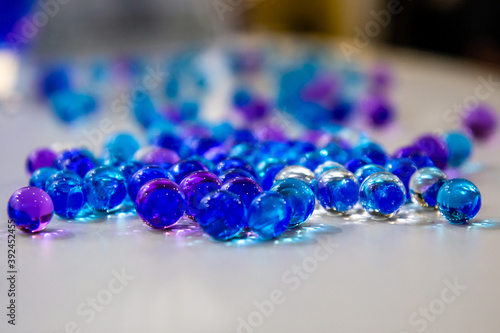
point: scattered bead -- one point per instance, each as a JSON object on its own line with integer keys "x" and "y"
{"x": 104, "y": 188}
{"x": 195, "y": 186}
{"x": 382, "y": 195}
{"x": 481, "y": 122}
{"x": 299, "y": 196}
{"x": 40, "y": 176}
{"x": 459, "y": 200}
{"x": 30, "y": 208}
{"x": 425, "y": 185}
{"x": 337, "y": 190}
{"x": 246, "y": 188}
{"x": 459, "y": 147}
{"x": 65, "y": 189}
{"x": 143, "y": 176}
{"x": 269, "y": 215}
{"x": 39, "y": 158}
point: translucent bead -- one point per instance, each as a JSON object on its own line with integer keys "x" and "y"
{"x": 382, "y": 195}
{"x": 299, "y": 196}
{"x": 38, "y": 158}
{"x": 296, "y": 172}
{"x": 160, "y": 203}
{"x": 362, "y": 173}
{"x": 425, "y": 185}
{"x": 233, "y": 163}
{"x": 435, "y": 147}
{"x": 30, "y": 208}
{"x": 121, "y": 146}
{"x": 129, "y": 168}
{"x": 313, "y": 159}
{"x": 336, "y": 153}
{"x": 65, "y": 190}
{"x": 195, "y": 186}
{"x": 267, "y": 171}
{"x": 246, "y": 188}
{"x": 459, "y": 200}
{"x": 269, "y": 215}
{"x": 104, "y": 188}
{"x": 417, "y": 155}
{"x": 77, "y": 160}
{"x": 40, "y": 176}
{"x": 183, "y": 168}
{"x": 459, "y": 147}
{"x": 222, "y": 215}
{"x": 143, "y": 176}
{"x": 233, "y": 173}
{"x": 404, "y": 168}
{"x": 371, "y": 150}
{"x": 356, "y": 163}
{"x": 158, "y": 155}
{"x": 337, "y": 190}
{"x": 377, "y": 110}
{"x": 481, "y": 121}
{"x": 325, "y": 167}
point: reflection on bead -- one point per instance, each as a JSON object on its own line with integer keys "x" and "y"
{"x": 325, "y": 167}
{"x": 78, "y": 160}
{"x": 404, "y": 168}
{"x": 459, "y": 200}
{"x": 337, "y": 190}
{"x": 30, "y": 209}
{"x": 66, "y": 192}
{"x": 233, "y": 173}
{"x": 246, "y": 188}
{"x": 382, "y": 195}
{"x": 183, "y": 168}
{"x": 143, "y": 176}
{"x": 195, "y": 186}
{"x": 299, "y": 196}
{"x": 362, "y": 173}
{"x": 297, "y": 172}
{"x": 40, "y": 176}
{"x": 269, "y": 215}
{"x": 104, "y": 188}
{"x": 425, "y": 185}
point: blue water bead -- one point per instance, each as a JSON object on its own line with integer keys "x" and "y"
{"x": 337, "y": 190}
{"x": 299, "y": 196}
{"x": 195, "y": 186}
{"x": 143, "y": 176}
{"x": 129, "y": 168}
{"x": 200, "y": 146}
{"x": 216, "y": 154}
{"x": 55, "y": 79}
{"x": 222, "y": 131}
{"x": 40, "y": 176}
{"x": 404, "y": 168}
{"x": 69, "y": 105}
{"x": 274, "y": 148}
{"x": 121, "y": 146}
{"x": 296, "y": 172}
{"x": 417, "y": 155}
{"x": 459, "y": 200}
{"x": 267, "y": 171}
{"x": 356, "y": 163}
{"x": 233, "y": 173}
{"x": 296, "y": 150}
{"x": 246, "y": 188}
{"x": 206, "y": 162}
{"x": 144, "y": 110}
{"x": 313, "y": 159}
{"x": 65, "y": 189}
{"x": 183, "y": 168}
{"x": 241, "y": 97}
{"x": 222, "y": 215}
{"x": 382, "y": 194}
{"x": 371, "y": 150}
{"x": 336, "y": 153}
{"x": 325, "y": 167}
{"x": 234, "y": 163}
{"x": 269, "y": 215}
{"x": 166, "y": 139}
{"x": 459, "y": 148}
{"x": 189, "y": 110}
{"x": 241, "y": 136}
{"x": 362, "y": 173}
{"x": 425, "y": 185}
{"x": 77, "y": 160}
{"x": 104, "y": 188}
{"x": 248, "y": 151}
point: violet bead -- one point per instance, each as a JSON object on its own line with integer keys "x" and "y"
{"x": 377, "y": 110}
{"x": 143, "y": 176}
{"x": 183, "y": 168}
{"x": 435, "y": 147}
{"x": 79, "y": 161}
{"x": 30, "y": 208}
{"x": 417, "y": 155}
{"x": 481, "y": 122}
{"x": 195, "y": 186}
{"x": 246, "y": 188}
{"x": 158, "y": 155}
{"x": 38, "y": 158}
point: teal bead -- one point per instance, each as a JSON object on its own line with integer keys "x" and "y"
{"x": 269, "y": 215}
{"x": 299, "y": 196}
{"x": 65, "y": 189}
{"x": 40, "y": 176}
{"x": 459, "y": 148}
{"x": 382, "y": 195}
{"x": 459, "y": 200}
{"x": 104, "y": 188}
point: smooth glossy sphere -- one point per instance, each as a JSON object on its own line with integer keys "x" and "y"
{"x": 233, "y": 173}
{"x": 337, "y": 190}
{"x": 128, "y": 169}
{"x": 404, "y": 168}
{"x": 121, "y": 146}
{"x": 233, "y": 163}
{"x": 66, "y": 192}
{"x": 435, "y": 147}
{"x": 296, "y": 172}
{"x": 425, "y": 185}
{"x": 356, "y": 163}
{"x": 481, "y": 122}
{"x": 195, "y": 186}
{"x": 299, "y": 196}
{"x": 336, "y": 153}
{"x": 30, "y": 208}
{"x": 325, "y": 167}
{"x": 382, "y": 195}
{"x": 269, "y": 215}
{"x": 267, "y": 171}
{"x": 38, "y": 158}
{"x": 183, "y": 168}
{"x": 222, "y": 215}
{"x": 362, "y": 173}
{"x": 78, "y": 160}
{"x": 160, "y": 203}
{"x": 313, "y": 159}
{"x": 40, "y": 176}
{"x": 143, "y": 176}
{"x": 246, "y": 188}
{"x": 370, "y": 150}
{"x": 104, "y": 188}
{"x": 459, "y": 148}
{"x": 459, "y": 200}
{"x": 417, "y": 155}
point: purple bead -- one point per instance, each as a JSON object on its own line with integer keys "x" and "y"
{"x": 246, "y": 188}
{"x": 79, "y": 161}
{"x": 481, "y": 122}
{"x": 255, "y": 110}
{"x": 435, "y": 147}
{"x": 417, "y": 155}
{"x": 30, "y": 208}
{"x": 158, "y": 156}
{"x": 183, "y": 168}
{"x": 216, "y": 154}
{"x": 38, "y": 158}
{"x": 378, "y": 111}
{"x": 268, "y": 131}
{"x": 195, "y": 186}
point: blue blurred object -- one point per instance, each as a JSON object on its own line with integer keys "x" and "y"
{"x": 69, "y": 105}
{"x": 11, "y": 11}
{"x": 459, "y": 148}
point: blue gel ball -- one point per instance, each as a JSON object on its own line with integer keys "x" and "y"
{"x": 233, "y": 163}
{"x": 222, "y": 215}
{"x": 241, "y": 136}
{"x": 40, "y": 176}
{"x": 296, "y": 151}
{"x": 459, "y": 148}
{"x": 313, "y": 159}
{"x": 121, "y": 146}
{"x": 425, "y": 185}
{"x": 404, "y": 168}
{"x": 336, "y": 153}
{"x": 104, "y": 188}
{"x": 356, "y": 163}
{"x": 143, "y": 176}
{"x": 267, "y": 170}
{"x": 65, "y": 189}
{"x": 246, "y": 188}
{"x": 77, "y": 160}
{"x": 337, "y": 190}
{"x": 195, "y": 186}
{"x": 459, "y": 200}
{"x": 372, "y": 151}
{"x": 382, "y": 195}
{"x": 129, "y": 168}
{"x": 299, "y": 196}
{"x": 206, "y": 163}
{"x": 189, "y": 110}
{"x": 325, "y": 167}
{"x": 269, "y": 215}
{"x": 183, "y": 168}
{"x": 233, "y": 173}
{"x": 362, "y": 173}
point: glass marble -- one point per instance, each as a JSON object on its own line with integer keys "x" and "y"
{"x": 481, "y": 121}
{"x": 382, "y": 195}
{"x": 425, "y": 185}
{"x": 371, "y": 150}
{"x": 269, "y": 215}
{"x": 356, "y": 163}
{"x": 299, "y": 196}
{"x": 143, "y": 176}
{"x": 222, "y": 215}
{"x": 40, "y": 176}
{"x": 417, "y": 155}
{"x": 296, "y": 172}
{"x": 377, "y": 110}
{"x": 459, "y": 200}
{"x": 160, "y": 203}
{"x": 234, "y": 163}
{"x": 296, "y": 150}
{"x": 233, "y": 173}
{"x": 404, "y": 168}
{"x": 30, "y": 208}
{"x": 435, "y": 147}
{"x": 77, "y": 160}
{"x": 104, "y": 188}
{"x": 240, "y": 136}
{"x": 159, "y": 155}
{"x": 336, "y": 153}
{"x": 267, "y": 170}
{"x": 314, "y": 159}
{"x": 183, "y": 168}
{"x": 325, "y": 167}
{"x": 39, "y": 158}
{"x": 459, "y": 148}
{"x": 195, "y": 186}
{"x": 337, "y": 190}
{"x": 65, "y": 190}
{"x": 128, "y": 169}
{"x": 216, "y": 154}
{"x": 362, "y": 173}
{"x": 121, "y": 146}
{"x": 246, "y": 188}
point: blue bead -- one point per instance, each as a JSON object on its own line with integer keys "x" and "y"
{"x": 268, "y": 170}
{"x": 195, "y": 186}
{"x": 165, "y": 139}
{"x": 129, "y": 168}
{"x": 382, "y": 195}
{"x": 313, "y": 159}
{"x": 144, "y": 110}
{"x": 337, "y": 190}
{"x": 222, "y": 215}
{"x": 459, "y": 200}
{"x": 69, "y": 105}
{"x": 296, "y": 150}
{"x": 371, "y": 150}
{"x": 104, "y": 188}
{"x": 362, "y": 173}
{"x": 241, "y": 136}
{"x": 246, "y": 188}
{"x": 233, "y": 173}
{"x": 459, "y": 148}
{"x": 143, "y": 176}
{"x": 325, "y": 167}
{"x": 404, "y": 168}
{"x": 425, "y": 185}
{"x": 65, "y": 189}
{"x": 77, "y": 160}
{"x": 200, "y": 146}
{"x": 189, "y": 110}
{"x": 269, "y": 215}
{"x": 121, "y": 146}
{"x": 40, "y": 176}
{"x": 336, "y": 153}
{"x": 356, "y": 163}
{"x": 204, "y": 161}
{"x": 299, "y": 196}
{"x": 183, "y": 168}
{"x": 233, "y": 163}
{"x": 55, "y": 79}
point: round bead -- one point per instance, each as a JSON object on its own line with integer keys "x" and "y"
{"x": 296, "y": 172}
{"x": 65, "y": 190}
{"x": 269, "y": 215}
{"x": 233, "y": 173}
{"x": 481, "y": 122}
{"x": 40, "y": 176}
{"x": 417, "y": 155}
{"x": 382, "y": 195}
{"x": 128, "y": 169}
{"x": 377, "y": 110}
{"x": 222, "y": 215}
{"x": 336, "y": 153}
{"x": 313, "y": 159}
{"x": 370, "y": 150}
{"x": 425, "y": 185}
{"x": 459, "y": 147}
{"x": 195, "y": 186}
{"x": 404, "y": 168}
{"x": 77, "y": 160}
{"x": 121, "y": 146}
{"x": 30, "y": 208}
{"x": 356, "y": 163}
{"x": 160, "y": 203}
{"x": 246, "y": 188}
{"x": 143, "y": 176}
{"x": 104, "y": 188}
{"x": 158, "y": 155}
{"x": 233, "y": 163}
{"x": 435, "y": 147}
{"x": 362, "y": 173}
{"x": 38, "y": 158}
{"x": 299, "y": 196}
{"x": 337, "y": 190}
{"x": 267, "y": 171}
{"x": 183, "y": 168}
{"x": 459, "y": 200}
{"x": 325, "y": 167}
